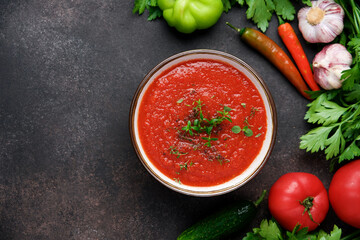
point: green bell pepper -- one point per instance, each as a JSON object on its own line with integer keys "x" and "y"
{"x": 188, "y": 15}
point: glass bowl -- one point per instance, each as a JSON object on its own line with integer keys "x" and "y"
{"x": 267, "y": 145}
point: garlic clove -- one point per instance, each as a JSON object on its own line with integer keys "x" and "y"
{"x": 333, "y": 54}
{"x": 322, "y": 22}
{"x": 329, "y": 78}
{"x": 329, "y": 64}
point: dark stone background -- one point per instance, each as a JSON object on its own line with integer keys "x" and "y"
{"x": 68, "y": 72}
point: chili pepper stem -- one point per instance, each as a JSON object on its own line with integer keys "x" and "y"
{"x": 240, "y": 31}
{"x": 261, "y": 198}
{"x": 281, "y": 21}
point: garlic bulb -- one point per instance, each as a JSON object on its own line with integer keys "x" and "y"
{"x": 328, "y": 65}
{"x": 322, "y": 22}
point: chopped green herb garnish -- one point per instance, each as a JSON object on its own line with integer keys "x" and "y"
{"x": 204, "y": 125}
{"x": 186, "y": 165}
{"x": 209, "y": 139}
{"x": 258, "y": 135}
{"x": 253, "y": 111}
{"x": 243, "y": 105}
{"x": 236, "y": 129}
{"x": 180, "y": 101}
{"x": 175, "y": 151}
{"x": 188, "y": 128}
{"x": 198, "y": 106}
{"x": 247, "y": 131}
{"x": 177, "y": 180}
{"x": 227, "y": 109}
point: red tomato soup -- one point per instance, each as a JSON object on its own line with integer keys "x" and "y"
{"x": 202, "y": 122}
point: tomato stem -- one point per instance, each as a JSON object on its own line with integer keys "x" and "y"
{"x": 261, "y": 198}
{"x": 308, "y": 204}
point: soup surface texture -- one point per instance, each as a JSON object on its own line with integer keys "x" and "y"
{"x": 202, "y": 122}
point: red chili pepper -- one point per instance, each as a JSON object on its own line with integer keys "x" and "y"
{"x": 275, "y": 55}
{"x": 293, "y": 44}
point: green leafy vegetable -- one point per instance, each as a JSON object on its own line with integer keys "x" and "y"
{"x": 154, "y": 13}
{"x": 340, "y": 128}
{"x": 228, "y": 4}
{"x": 140, "y": 5}
{"x": 150, "y": 5}
{"x": 337, "y": 112}
{"x": 285, "y": 9}
{"x": 270, "y": 230}
{"x": 260, "y": 11}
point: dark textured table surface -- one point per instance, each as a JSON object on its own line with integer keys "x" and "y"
{"x": 68, "y": 72}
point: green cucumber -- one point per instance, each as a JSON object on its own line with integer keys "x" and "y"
{"x": 224, "y": 222}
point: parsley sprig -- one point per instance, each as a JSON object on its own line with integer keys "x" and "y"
{"x": 339, "y": 130}
{"x": 204, "y": 125}
{"x": 186, "y": 165}
{"x": 150, "y": 5}
{"x": 337, "y": 112}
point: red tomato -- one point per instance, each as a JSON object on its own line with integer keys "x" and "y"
{"x": 344, "y": 193}
{"x": 295, "y": 197}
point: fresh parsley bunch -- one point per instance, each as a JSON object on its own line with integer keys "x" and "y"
{"x": 270, "y": 230}
{"x": 337, "y": 112}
